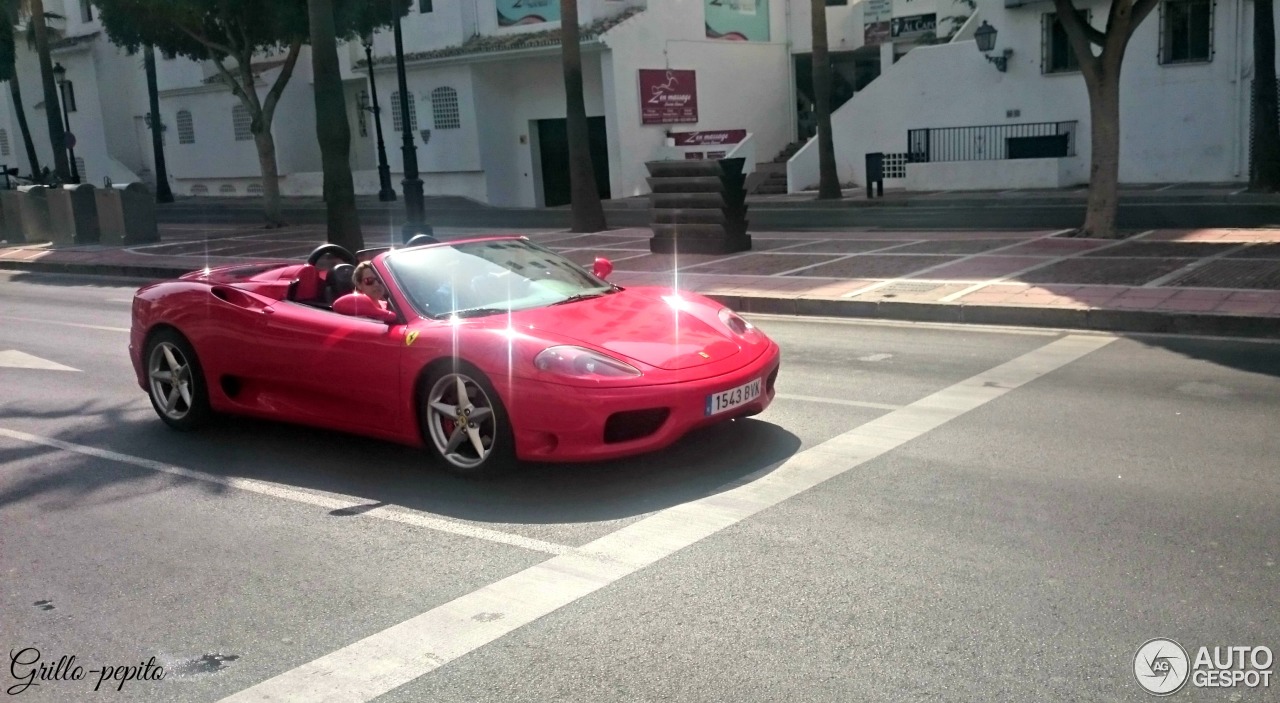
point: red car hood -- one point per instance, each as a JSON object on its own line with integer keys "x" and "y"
{"x": 639, "y": 324}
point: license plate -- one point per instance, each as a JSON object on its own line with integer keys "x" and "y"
{"x": 732, "y": 398}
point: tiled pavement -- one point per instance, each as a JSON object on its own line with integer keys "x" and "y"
{"x": 1223, "y": 281}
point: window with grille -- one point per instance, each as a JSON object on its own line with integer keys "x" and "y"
{"x": 4, "y": 142}
{"x": 226, "y": 189}
{"x": 186, "y": 128}
{"x": 1057, "y": 55}
{"x": 241, "y": 121}
{"x": 424, "y": 6}
{"x": 80, "y": 169}
{"x": 1186, "y": 31}
{"x": 895, "y": 165}
{"x": 199, "y": 189}
{"x": 254, "y": 189}
{"x": 444, "y": 108}
{"x": 397, "y": 122}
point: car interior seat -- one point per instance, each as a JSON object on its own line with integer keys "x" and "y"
{"x": 307, "y": 286}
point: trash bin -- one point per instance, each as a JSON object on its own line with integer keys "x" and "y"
{"x": 11, "y": 217}
{"x": 126, "y": 214}
{"x": 875, "y": 173}
{"x": 33, "y": 203}
{"x": 74, "y": 214}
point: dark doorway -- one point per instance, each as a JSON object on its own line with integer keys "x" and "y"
{"x": 851, "y": 71}
{"x": 553, "y": 147}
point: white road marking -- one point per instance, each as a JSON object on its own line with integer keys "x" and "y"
{"x": 386, "y": 660}
{"x": 914, "y": 275}
{"x": 332, "y": 501}
{"x": 1059, "y": 259}
{"x": 1173, "y": 275}
{"x": 837, "y": 401}
{"x": 64, "y": 324}
{"x": 875, "y": 357}
{"x": 14, "y": 359}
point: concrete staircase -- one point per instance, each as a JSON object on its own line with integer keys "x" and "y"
{"x": 771, "y": 178}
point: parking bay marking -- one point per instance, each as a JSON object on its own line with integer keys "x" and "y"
{"x": 332, "y": 501}
{"x": 401, "y": 653}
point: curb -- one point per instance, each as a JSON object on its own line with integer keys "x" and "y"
{"x": 1098, "y": 320}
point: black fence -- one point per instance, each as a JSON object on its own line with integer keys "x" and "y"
{"x": 1031, "y": 140}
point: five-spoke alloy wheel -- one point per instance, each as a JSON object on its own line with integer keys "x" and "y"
{"x": 467, "y": 424}
{"x": 177, "y": 387}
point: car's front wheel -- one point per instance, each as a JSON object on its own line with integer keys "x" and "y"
{"x": 176, "y": 382}
{"x": 466, "y": 423}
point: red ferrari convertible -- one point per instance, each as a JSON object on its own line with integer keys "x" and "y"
{"x": 488, "y": 350}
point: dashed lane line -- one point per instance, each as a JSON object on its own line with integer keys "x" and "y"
{"x": 399, "y": 654}
{"x": 331, "y": 501}
{"x": 65, "y": 324}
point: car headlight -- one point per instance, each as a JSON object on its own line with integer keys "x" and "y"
{"x": 734, "y": 321}
{"x": 582, "y": 363}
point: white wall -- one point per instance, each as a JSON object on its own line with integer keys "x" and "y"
{"x": 215, "y": 153}
{"x": 1177, "y": 122}
{"x": 513, "y": 95}
{"x": 741, "y": 85}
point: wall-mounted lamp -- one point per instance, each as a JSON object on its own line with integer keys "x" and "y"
{"x": 985, "y": 36}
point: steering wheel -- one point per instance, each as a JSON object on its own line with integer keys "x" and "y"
{"x": 331, "y": 250}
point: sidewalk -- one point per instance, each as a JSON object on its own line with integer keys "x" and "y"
{"x": 1208, "y": 281}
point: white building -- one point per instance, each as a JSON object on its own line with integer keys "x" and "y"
{"x": 487, "y": 98}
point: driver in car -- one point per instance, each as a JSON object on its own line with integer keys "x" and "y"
{"x": 368, "y": 283}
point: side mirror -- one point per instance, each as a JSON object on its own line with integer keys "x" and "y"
{"x": 602, "y": 268}
{"x": 361, "y": 305}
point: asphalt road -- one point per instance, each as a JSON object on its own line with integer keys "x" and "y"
{"x": 922, "y": 214}
{"x": 926, "y": 513}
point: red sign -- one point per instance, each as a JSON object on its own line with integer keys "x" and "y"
{"x": 668, "y": 96}
{"x": 876, "y": 33}
{"x": 728, "y": 136}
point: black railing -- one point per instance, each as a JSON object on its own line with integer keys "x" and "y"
{"x": 1029, "y": 140}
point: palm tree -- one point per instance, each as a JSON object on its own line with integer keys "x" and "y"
{"x": 52, "y": 108}
{"x": 9, "y": 72}
{"x": 332, "y": 129}
{"x": 1265, "y": 175}
{"x": 163, "y": 193}
{"x": 828, "y": 179}
{"x": 588, "y": 214}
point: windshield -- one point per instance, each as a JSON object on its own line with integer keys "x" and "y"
{"x": 489, "y": 277}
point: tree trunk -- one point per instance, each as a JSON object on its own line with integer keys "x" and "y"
{"x": 52, "y": 107}
{"x": 1266, "y": 122}
{"x": 332, "y": 129}
{"x": 15, "y": 91}
{"x": 828, "y": 178}
{"x": 270, "y": 176}
{"x": 1104, "y": 167}
{"x": 163, "y": 193}
{"x": 588, "y": 214}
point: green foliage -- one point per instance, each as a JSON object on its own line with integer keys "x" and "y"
{"x": 204, "y": 29}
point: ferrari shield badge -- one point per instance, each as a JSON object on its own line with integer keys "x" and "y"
{"x": 410, "y": 338}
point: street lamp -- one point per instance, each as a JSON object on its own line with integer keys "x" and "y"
{"x": 413, "y": 202}
{"x": 985, "y": 37}
{"x": 385, "y": 192}
{"x": 60, "y": 76}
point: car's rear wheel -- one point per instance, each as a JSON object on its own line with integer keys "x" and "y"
{"x": 177, "y": 386}
{"x": 466, "y": 423}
